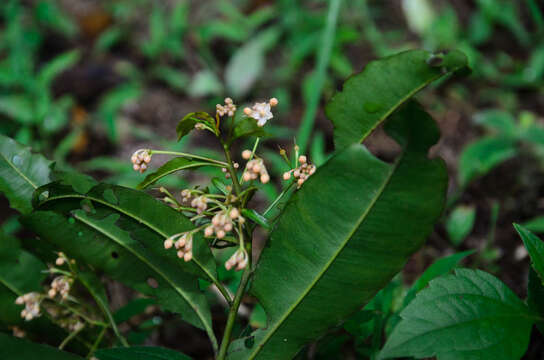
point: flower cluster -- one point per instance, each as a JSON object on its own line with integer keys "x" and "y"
{"x": 200, "y": 203}
{"x": 72, "y": 323}
{"x": 301, "y": 173}
{"x": 60, "y": 285}
{"x": 255, "y": 169}
{"x": 228, "y": 109}
{"x": 222, "y": 223}
{"x": 140, "y": 159}
{"x": 183, "y": 242}
{"x": 31, "y": 301}
{"x": 239, "y": 259}
{"x": 261, "y": 111}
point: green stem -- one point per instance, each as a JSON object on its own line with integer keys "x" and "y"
{"x": 277, "y": 200}
{"x": 231, "y": 170}
{"x": 231, "y": 319}
{"x": 97, "y": 342}
{"x": 69, "y": 338}
{"x": 323, "y": 59}
{"x": 189, "y": 156}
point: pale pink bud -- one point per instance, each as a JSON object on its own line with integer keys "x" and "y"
{"x": 302, "y": 159}
{"x": 168, "y": 243}
{"x": 220, "y": 234}
{"x": 247, "y": 111}
{"x": 273, "y": 102}
{"x": 246, "y": 154}
{"x": 234, "y": 213}
{"x": 247, "y": 176}
{"x": 180, "y": 254}
{"x": 188, "y": 256}
{"x": 59, "y": 261}
{"x": 228, "y": 227}
{"x": 265, "y": 178}
{"x": 208, "y": 231}
{"x": 286, "y": 175}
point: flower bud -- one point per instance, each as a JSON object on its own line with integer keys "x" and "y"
{"x": 246, "y": 154}
{"x": 273, "y": 102}
{"x": 168, "y": 243}
{"x": 286, "y": 175}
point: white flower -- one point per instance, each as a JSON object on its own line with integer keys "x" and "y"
{"x": 260, "y": 112}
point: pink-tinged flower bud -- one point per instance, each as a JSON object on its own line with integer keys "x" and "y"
{"x": 136, "y": 167}
{"x": 59, "y": 261}
{"x": 246, "y": 154}
{"x": 229, "y": 264}
{"x": 286, "y": 175}
{"x": 236, "y": 165}
{"x": 247, "y": 111}
{"x": 224, "y": 170}
{"x": 302, "y": 159}
{"x": 273, "y": 102}
{"x": 188, "y": 256}
{"x": 247, "y": 176}
{"x": 208, "y": 231}
{"x": 241, "y": 220}
{"x": 228, "y": 227}
{"x": 300, "y": 182}
{"x": 180, "y": 254}
{"x": 180, "y": 243}
{"x": 168, "y": 243}
{"x": 257, "y": 168}
{"x": 265, "y": 178}
{"x": 20, "y": 300}
{"x": 52, "y": 293}
{"x": 220, "y": 234}
{"x": 141, "y": 156}
{"x": 143, "y": 167}
{"x": 234, "y": 213}
{"x": 147, "y": 159}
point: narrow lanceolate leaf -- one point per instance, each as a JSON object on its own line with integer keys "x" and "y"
{"x": 172, "y": 166}
{"x": 121, "y": 232}
{"x": 21, "y": 172}
{"x": 369, "y": 97}
{"x": 14, "y": 348}
{"x": 535, "y": 247}
{"x": 334, "y": 247}
{"x": 187, "y": 124}
{"x": 140, "y": 353}
{"x": 469, "y": 315}
{"x": 535, "y": 298}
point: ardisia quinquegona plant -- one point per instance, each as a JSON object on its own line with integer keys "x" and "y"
{"x": 338, "y": 234}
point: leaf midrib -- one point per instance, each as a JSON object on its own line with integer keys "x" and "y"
{"x": 151, "y": 265}
{"x": 21, "y": 174}
{"x": 269, "y": 334}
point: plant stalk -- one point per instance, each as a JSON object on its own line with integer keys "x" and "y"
{"x": 231, "y": 319}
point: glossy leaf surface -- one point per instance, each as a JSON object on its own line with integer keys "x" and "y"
{"x": 334, "y": 247}
{"x": 21, "y": 172}
{"x": 369, "y": 97}
{"x": 469, "y": 315}
{"x": 187, "y": 124}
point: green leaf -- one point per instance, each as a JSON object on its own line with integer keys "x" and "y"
{"x": 535, "y": 298}
{"x": 172, "y": 166}
{"x": 121, "y": 231}
{"x": 21, "y": 172}
{"x": 480, "y": 157}
{"x": 133, "y": 308}
{"x": 369, "y": 97}
{"x": 460, "y": 223}
{"x": 245, "y": 126}
{"x": 334, "y": 247}
{"x": 15, "y": 348}
{"x": 56, "y": 66}
{"x": 535, "y": 224}
{"x": 469, "y": 315}
{"x": 499, "y": 120}
{"x": 535, "y": 247}
{"x": 18, "y": 107}
{"x": 440, "y": 267}
{"x": 140, "y": 353}
{"x": 257, "y": 218}
{"x": 187, "y": 124}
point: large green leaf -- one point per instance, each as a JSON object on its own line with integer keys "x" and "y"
{"x": 535, "y": 298}
{"x": 369, "y": 97}
{"x": 469, "y": 315}
{"x": 172, "y": 166}
{"x": 140, "y": 353}
{"x": 14, "y": 348}
{"x": 334, "y": 247}
{"x": 535, "y": 247}
{"x": 121, "y": 231}
{"x": 21, "y": 172}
